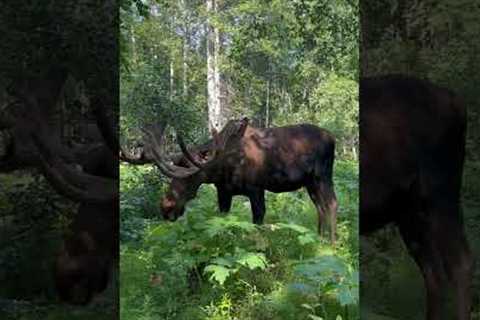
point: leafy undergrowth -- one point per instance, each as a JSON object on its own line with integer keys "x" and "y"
{"x": 103, "y": 307}
{"x": 18, "y": 310}
{"x": 32, "y": 221}
{"x": 209, "y": 266}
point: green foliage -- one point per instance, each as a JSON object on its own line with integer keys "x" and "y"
{"x": 139, "y": 194}
{"x": 30, "y": 228}
{"x": 33, "y": 219}
{"x": 282, "y": 61}
{"x": 333, "y": 105}
{"x": 332, "y": 277}
{"x": 34, "y": 45}
{"x": 204, "y": 266}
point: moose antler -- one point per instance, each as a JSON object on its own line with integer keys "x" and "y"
{"x": 153, "y": 152}
{"x": 162, "y": 163}
{"x": 74, "y": 184}
{"x": 106, "y": 125}
{"x": 141, "y": 158}
{"x": 146, "y": 154}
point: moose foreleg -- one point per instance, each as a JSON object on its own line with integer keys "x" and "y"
{"x": 224, "y": 199}
{"x": 257, "y": 203}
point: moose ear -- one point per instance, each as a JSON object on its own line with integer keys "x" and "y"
{"x": 243, "y": 126}
{"x": 213, "y": 131}
{"x": 215, "y": 135}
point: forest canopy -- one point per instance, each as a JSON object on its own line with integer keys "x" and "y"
{"x": 277, "y": 62}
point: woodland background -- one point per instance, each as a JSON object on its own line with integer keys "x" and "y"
{"x": 193, "y": 65}
{"x": 278, "y": 62}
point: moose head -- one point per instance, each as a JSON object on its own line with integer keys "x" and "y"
{"x": 83, "y": 264}
{"x": 206, "y": 163}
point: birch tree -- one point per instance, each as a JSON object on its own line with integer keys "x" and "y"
{"x": 217, "y": 111}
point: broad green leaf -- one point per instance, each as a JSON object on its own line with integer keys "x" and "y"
{"x": 253, "y": 260}
{"x": 223, "y": 262}
{"x": 306, "y": 239}
{"x": 219, "y": 273}
{"x": 294, "y": 227}
{"x": 345, "y": 297}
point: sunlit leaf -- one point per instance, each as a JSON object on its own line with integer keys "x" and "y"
{"x": 219, "y": 273}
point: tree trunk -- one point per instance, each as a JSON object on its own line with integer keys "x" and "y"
{"x": 217, "y": 90}
{"x": 185, "y": 65}
{"x": 172, "y": 80}
{"x": 186, "y": 40}
{"x": 211, "y": 85}
{"x": 172, "y": 68}
{"x": 218, "y": 78}
{"x": 267, "y": 105}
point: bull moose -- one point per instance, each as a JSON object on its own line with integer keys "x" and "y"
{"x": 83, "y": 265}
{"x": 245, "y": 160}
{"x": 412, "y": 145}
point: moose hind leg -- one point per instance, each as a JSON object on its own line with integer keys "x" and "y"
{"x": 421, "y": 244}
{"x": 458, "y": 263}
{"x": 332, "y": 214}
{"x": 460, "y": 267}
{"x": 448, "y": 238}
{"x": 325, "y": 201}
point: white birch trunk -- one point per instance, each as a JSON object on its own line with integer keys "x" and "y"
{"x": 267, "y": 107}
{"x": 211, "y": 77}
{"x": 219, "y": 112}
{"x": 172, "y": 70}
{"x": 186, "y": 40}
{"x": 172, "y": 80}
{"x": 185, "y": 66}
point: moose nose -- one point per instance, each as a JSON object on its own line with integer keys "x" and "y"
{"x": 173, "y": 214}
{"x": 169, "y": 214}
{"x": 170, "y": 217}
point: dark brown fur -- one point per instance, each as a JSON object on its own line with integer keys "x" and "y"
{"x": 84, "y": 263}
{"x": 279, "y": 159}
{"x": 412, "y": 140}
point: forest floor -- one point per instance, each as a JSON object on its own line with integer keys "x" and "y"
{"x": 209, "y": 266}
{"x": 27, "y": 258}
{"x": 33, "y": 310}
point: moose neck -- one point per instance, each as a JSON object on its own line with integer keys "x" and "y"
{"x": 208, "y": 175}
{"x": 211, "y": 174}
